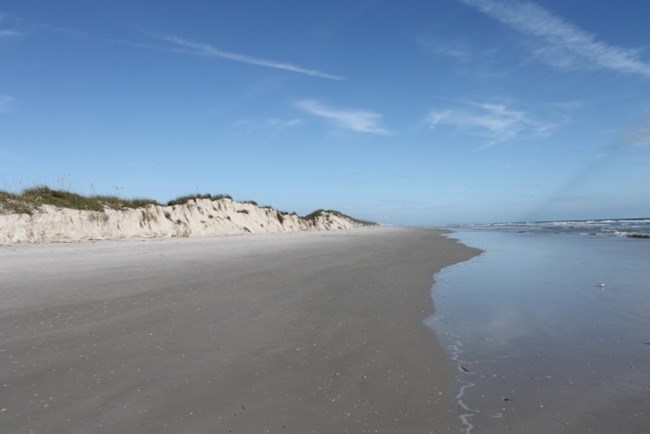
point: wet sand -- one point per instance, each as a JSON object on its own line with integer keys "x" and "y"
{"x": 307, "y": 332}
{"x": 540, "y": 345}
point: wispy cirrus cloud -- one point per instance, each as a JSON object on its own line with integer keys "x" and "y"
{"x": 563, "y": 44}
{"x": 282, "y": 124}
{"x": 5, "y": 103}
{"x": 203, "y": 49}
{"x": 639, "y": 134}
{"x": 456, "y": 48}
{"x": 269, "y": 124}
{"x": 495, "y": 122}
{"x": 362, "y": 121}
{"x": 8, "y": 33}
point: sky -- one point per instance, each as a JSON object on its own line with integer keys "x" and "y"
{"x": 417, "y": 112}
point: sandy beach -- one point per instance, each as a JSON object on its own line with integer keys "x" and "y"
{"x": 302, "y": 332}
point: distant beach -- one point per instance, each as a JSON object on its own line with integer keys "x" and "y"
{"x": 298, "y": 332}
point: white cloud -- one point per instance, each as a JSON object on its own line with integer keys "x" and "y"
{"x": 9, "y": 33}
{"x": 5, "y": 103}
{"x": 356, "y": 120}
{"x": 281, "y": 124}
{"x": 210, "y": 51}
{"x": 495, "y": 121}
{"x": 567, "y": 105}
{"x": 564, "y": 44}
{"x": 640, "y": 134}
{"x": 457, "y": 48}
{"x": 266, "y": 125}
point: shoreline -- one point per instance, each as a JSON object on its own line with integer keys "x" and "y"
{"x": 548, "y": 332}
{"x": 301, "y": 332}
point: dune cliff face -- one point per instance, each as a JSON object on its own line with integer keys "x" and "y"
{"x": 197, "y": 217}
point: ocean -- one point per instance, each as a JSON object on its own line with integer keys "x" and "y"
{"x": 549, "y": 328}
{"x": 632, "y": 228}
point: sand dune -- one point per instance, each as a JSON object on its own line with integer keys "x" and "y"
{"x": 197, "y": 217}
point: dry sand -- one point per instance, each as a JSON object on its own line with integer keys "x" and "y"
{"x": 297, "y": 333}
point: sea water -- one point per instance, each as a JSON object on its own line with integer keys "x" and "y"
{"x": 549, "y": 330}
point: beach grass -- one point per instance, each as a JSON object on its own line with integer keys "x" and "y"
{"x": 14, "y": 204}
{"x": 30, "y": 199}
{"x": 181, "y": 200}
{"x": 319, "y": 212}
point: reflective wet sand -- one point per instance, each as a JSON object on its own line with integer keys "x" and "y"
{"x": 551, "y": 333}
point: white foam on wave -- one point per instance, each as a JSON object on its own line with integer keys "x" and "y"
{"x": 605, "y": 227}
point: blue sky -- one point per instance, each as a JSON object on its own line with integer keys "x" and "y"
{"x": 412, "y": 112}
